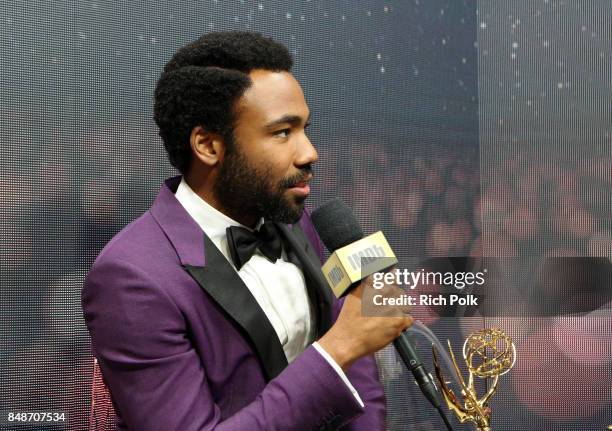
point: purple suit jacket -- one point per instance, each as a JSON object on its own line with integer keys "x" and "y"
{"x": 183, "y": 345}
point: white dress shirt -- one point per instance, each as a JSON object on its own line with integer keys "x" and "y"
{"x": 278, "y": 287}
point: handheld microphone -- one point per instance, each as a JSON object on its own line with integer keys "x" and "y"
{"x": 342, "y": 235}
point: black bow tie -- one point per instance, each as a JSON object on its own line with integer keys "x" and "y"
{"x": 243, "y": 242}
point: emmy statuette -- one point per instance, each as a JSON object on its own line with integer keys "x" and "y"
{"x": 488, "y": 354}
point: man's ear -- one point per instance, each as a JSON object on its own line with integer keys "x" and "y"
{"x": 206, "y": 146}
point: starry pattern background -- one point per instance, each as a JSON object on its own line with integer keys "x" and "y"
{"x": 544, "y": 76}
{"x": 391, "y": 62}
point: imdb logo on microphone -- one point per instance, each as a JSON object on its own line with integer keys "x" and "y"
{"x": 358, "y": 260}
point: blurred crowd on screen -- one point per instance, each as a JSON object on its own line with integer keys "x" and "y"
{"x": 461, "y": 202}
{"x": 66, "y": 192}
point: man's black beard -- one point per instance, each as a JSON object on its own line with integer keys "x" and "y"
{"x": 242, "y": 189}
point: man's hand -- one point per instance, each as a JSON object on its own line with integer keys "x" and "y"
{"x": 355, "y": 335}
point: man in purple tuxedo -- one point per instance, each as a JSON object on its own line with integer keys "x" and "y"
{"x": 210, "y": 311}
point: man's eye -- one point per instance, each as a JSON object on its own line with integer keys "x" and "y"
{"x": 282, "y": 133}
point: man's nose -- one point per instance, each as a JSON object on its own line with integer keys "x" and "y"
{"x": 306, "y": 154}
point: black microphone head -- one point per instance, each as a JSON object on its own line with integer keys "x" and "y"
{"x": 336, "y": 224}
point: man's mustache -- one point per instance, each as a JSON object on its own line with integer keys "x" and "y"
{"x": 301, "y": 176}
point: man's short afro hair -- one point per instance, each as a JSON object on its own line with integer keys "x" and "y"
{"x": 202, "y": 82}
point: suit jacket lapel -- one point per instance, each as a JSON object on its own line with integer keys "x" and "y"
{"x": 308, "y": 261}
{"x": 225, "y": 286}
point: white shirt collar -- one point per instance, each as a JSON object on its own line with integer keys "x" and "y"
{"x": 211, "y": 220}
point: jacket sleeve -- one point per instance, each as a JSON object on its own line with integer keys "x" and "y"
{"x": 363, "y": 375}
{"x": 158, "y": 381}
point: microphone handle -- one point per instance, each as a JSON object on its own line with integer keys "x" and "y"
{"x": 408, "y": 353}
